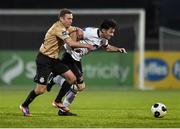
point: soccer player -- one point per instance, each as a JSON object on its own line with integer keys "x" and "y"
{"x": 48, "y": 61}
{"x": 98, "y": 37}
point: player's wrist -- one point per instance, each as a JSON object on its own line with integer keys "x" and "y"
{"x": 83, "y": 45}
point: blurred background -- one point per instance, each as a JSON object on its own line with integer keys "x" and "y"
{"x": 22, "y": 34}
{"x": 158, "y": 12}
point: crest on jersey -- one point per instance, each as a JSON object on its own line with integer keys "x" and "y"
{"x": 64, "y": 33}
{"x": 41, "y": 79}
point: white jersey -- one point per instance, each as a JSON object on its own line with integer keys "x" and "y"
{"x": 90, "y": 37}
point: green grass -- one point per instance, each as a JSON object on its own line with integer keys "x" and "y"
{"x": 107, "y": 109}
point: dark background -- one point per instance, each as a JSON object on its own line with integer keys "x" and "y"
{"x": 158, "y": 12}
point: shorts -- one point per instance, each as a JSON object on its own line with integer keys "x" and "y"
{"x": 74, "y": 65}
{"x": 46, "y": 65}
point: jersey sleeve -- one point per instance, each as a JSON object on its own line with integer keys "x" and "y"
{"x": 86, "y": 33}
{"x": 71, "y": 29}
{"x": 62, "y": 33}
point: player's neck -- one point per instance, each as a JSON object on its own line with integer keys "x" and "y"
{"x": 63, "y": 24}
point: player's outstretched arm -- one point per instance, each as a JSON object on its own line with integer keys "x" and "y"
{"x": 111, "y": 48}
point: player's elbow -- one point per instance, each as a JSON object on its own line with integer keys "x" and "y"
{"x": 107, "y": 49}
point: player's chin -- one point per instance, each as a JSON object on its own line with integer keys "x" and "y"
{"x": 68, "y": 25}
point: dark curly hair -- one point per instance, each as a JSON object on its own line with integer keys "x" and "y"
{"x": 108, "y": 23}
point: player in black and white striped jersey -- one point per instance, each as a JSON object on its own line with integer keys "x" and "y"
{"x": 98, "y": 38}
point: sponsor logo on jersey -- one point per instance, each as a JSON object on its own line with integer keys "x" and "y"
{"x": 64, "y": 33}
{"x": 155, "y": 69}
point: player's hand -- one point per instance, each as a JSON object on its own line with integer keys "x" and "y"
{"x": 122, "y": 50}
{"x": 90, "y": 47}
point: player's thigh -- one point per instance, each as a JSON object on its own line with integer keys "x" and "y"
{"x": 74, "y": 65}
{"x": 77, "y": 74}
{"x": 70, "y": 77}
{"x": 62, "y": 69}
{"x": 77, "y": 70}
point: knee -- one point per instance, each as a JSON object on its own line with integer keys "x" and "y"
{"x": 72, "y": 80}
{"x": 78, "y": 87}
{"x": 40, "y": 89}
{"x": 81, "y": 86}
{"x": 70, "y": 77}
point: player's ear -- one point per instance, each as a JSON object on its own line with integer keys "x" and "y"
{"x": 61, "y": 19}
{"x": 103, "y": 30}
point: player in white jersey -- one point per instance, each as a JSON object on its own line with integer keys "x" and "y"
{"x": 98, "y": 37}
{"x": 90, "y": 36}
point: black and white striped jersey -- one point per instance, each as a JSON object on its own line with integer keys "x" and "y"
{"x": 90, "y": 36}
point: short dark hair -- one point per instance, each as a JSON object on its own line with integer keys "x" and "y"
{"x": 108, "y": 23}
{"x": 64, "y": 11}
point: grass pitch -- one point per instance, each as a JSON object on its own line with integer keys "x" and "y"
{"x": 117, "y": 108}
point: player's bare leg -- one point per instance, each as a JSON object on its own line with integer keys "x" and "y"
{"x": 24, "y": 107}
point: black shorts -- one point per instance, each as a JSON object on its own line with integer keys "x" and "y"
{"x": 46, "y": 65}
{"x": 74, "y": 65}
